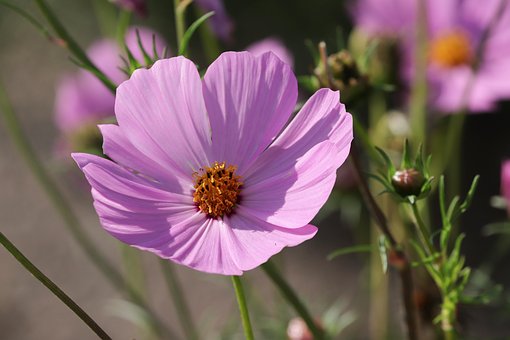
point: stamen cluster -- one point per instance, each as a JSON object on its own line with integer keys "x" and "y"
{"x": 451, "y": 50}
{"x": 217, "y": 189}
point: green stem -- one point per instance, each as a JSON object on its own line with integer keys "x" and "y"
{"x": 209, "y": 41}
{"x": 291, "y": 297}
{"x": 105, "y": 13}
{"x": 133, "y": 268}
{"x": 180, "y": 26}
{"x": 61, "y": 204}
{"x": 419, "y": 92}
{"x": 423, "y": 231}
{"x": 243, "y": 309}
{"x": 11, "y": 248}
{"x": 122, "y": 26}
{"x": 447, "y": 320}
{"x": 183, "y": 311}
{"x": 59, "y": 201}
{"x": 71, "y": 44}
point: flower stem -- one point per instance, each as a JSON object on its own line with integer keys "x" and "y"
{"x": 180, "y": 25}
{"x": 122, "y": 25}
{"x": 291, "y": 297}
{"x": 181, "y": 306}
{"x": 419, "y": 91}
{"x": 11, "y": 248}
{"x": 243, "y": 309}
{"x": 422, "y": 229}
{"x": 65, "y": 210}
{"x": 404, "y": 267}
{"x": 71, "y": 44}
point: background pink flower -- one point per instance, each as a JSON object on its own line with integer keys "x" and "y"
{"x": 221, "y": 23}
{"x": 81, "y": 98}
{"x": 455, "y": 30}
{"x": 272, "y": 45}
{"x": 177, "y": 133}
{"x": 505, "y": 181}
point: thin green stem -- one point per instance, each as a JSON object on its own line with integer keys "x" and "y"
{"x": 243, "y": 309}
{"x": 423, "y": 231}
{"x": 292, "y": 298}
{"x": 25, "y": 262}
{"x": 419, "y": 90}
{"x": 133, "y": 268}
{"x": 71, "y": 44}
{"x": 447, "y": 320}
{"x": 209, "y": 41}
{"x": 105, "y": 13}
{"x": 122, "y": 26}
{"x": 177, "y": 294}
{"x": 180, "y": 25}
{"x": 63, "y": 207}
{"x": 59, "y": 201}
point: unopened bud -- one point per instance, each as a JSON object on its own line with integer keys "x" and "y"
{"x": 408, "y": 182}
{"x": 343, "y": 72}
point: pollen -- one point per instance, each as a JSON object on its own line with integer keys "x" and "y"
{"x": 451, "y": 50}
{"x": 217, "y": 189}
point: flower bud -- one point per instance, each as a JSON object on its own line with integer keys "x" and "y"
{"x": 298, "y": 330}
{"x": 408, "y": 182}
{"x": 344, "y": 74}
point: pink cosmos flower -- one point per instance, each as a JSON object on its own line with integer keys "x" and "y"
{"x": 81, "y": 99}
{"x": 138, "y": 6}
{"x": 206, "y": 173}
{"x": 455, "y": 30}
{"x": 272, "y": 45}
{"x": 220, "y": 22}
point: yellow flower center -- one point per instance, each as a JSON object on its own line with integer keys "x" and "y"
{"x": 451, "y": 49}
{"x": 217, "y": 189}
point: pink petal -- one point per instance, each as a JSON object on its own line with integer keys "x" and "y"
{"x": 119, "y": 148}
{"x": 129, "y": 205}
{"x": 230, "y": 245}
{"x": 162, "y": 112}
{"x": 274, "y": 45}
{"x": 322, "y": 118}
{"x": 289, "y": 191}
{"x": 249, "y": 99}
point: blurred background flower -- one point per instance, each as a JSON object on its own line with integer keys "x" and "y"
{"x": 468, "y": 44}
{"x": 82, "y": 101}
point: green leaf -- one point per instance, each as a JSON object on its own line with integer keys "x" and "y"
{"x": 191, "y": 30}
{"x": 386, "y": 159}
{"x": 147, "y": 58}
{"x": 309, "y": 83}
{"x": 469, "y": 197}
{"x": 364, "y": 248}
{"x": 40, "y": 27}
{"x": 406, "y": 157}
{"x": 498, "y": 228}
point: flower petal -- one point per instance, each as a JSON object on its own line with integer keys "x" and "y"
{"x": 249, "y": 99}
{"x": 162, "y": 112}
{"x": 289, "y": 191}
{"x": 252, "y": 241}
{"x": 119, "y": 148}
{"x": 230, "y": 245}
{"x": 322, "y": 118}
{"x": 132, "y": 202}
